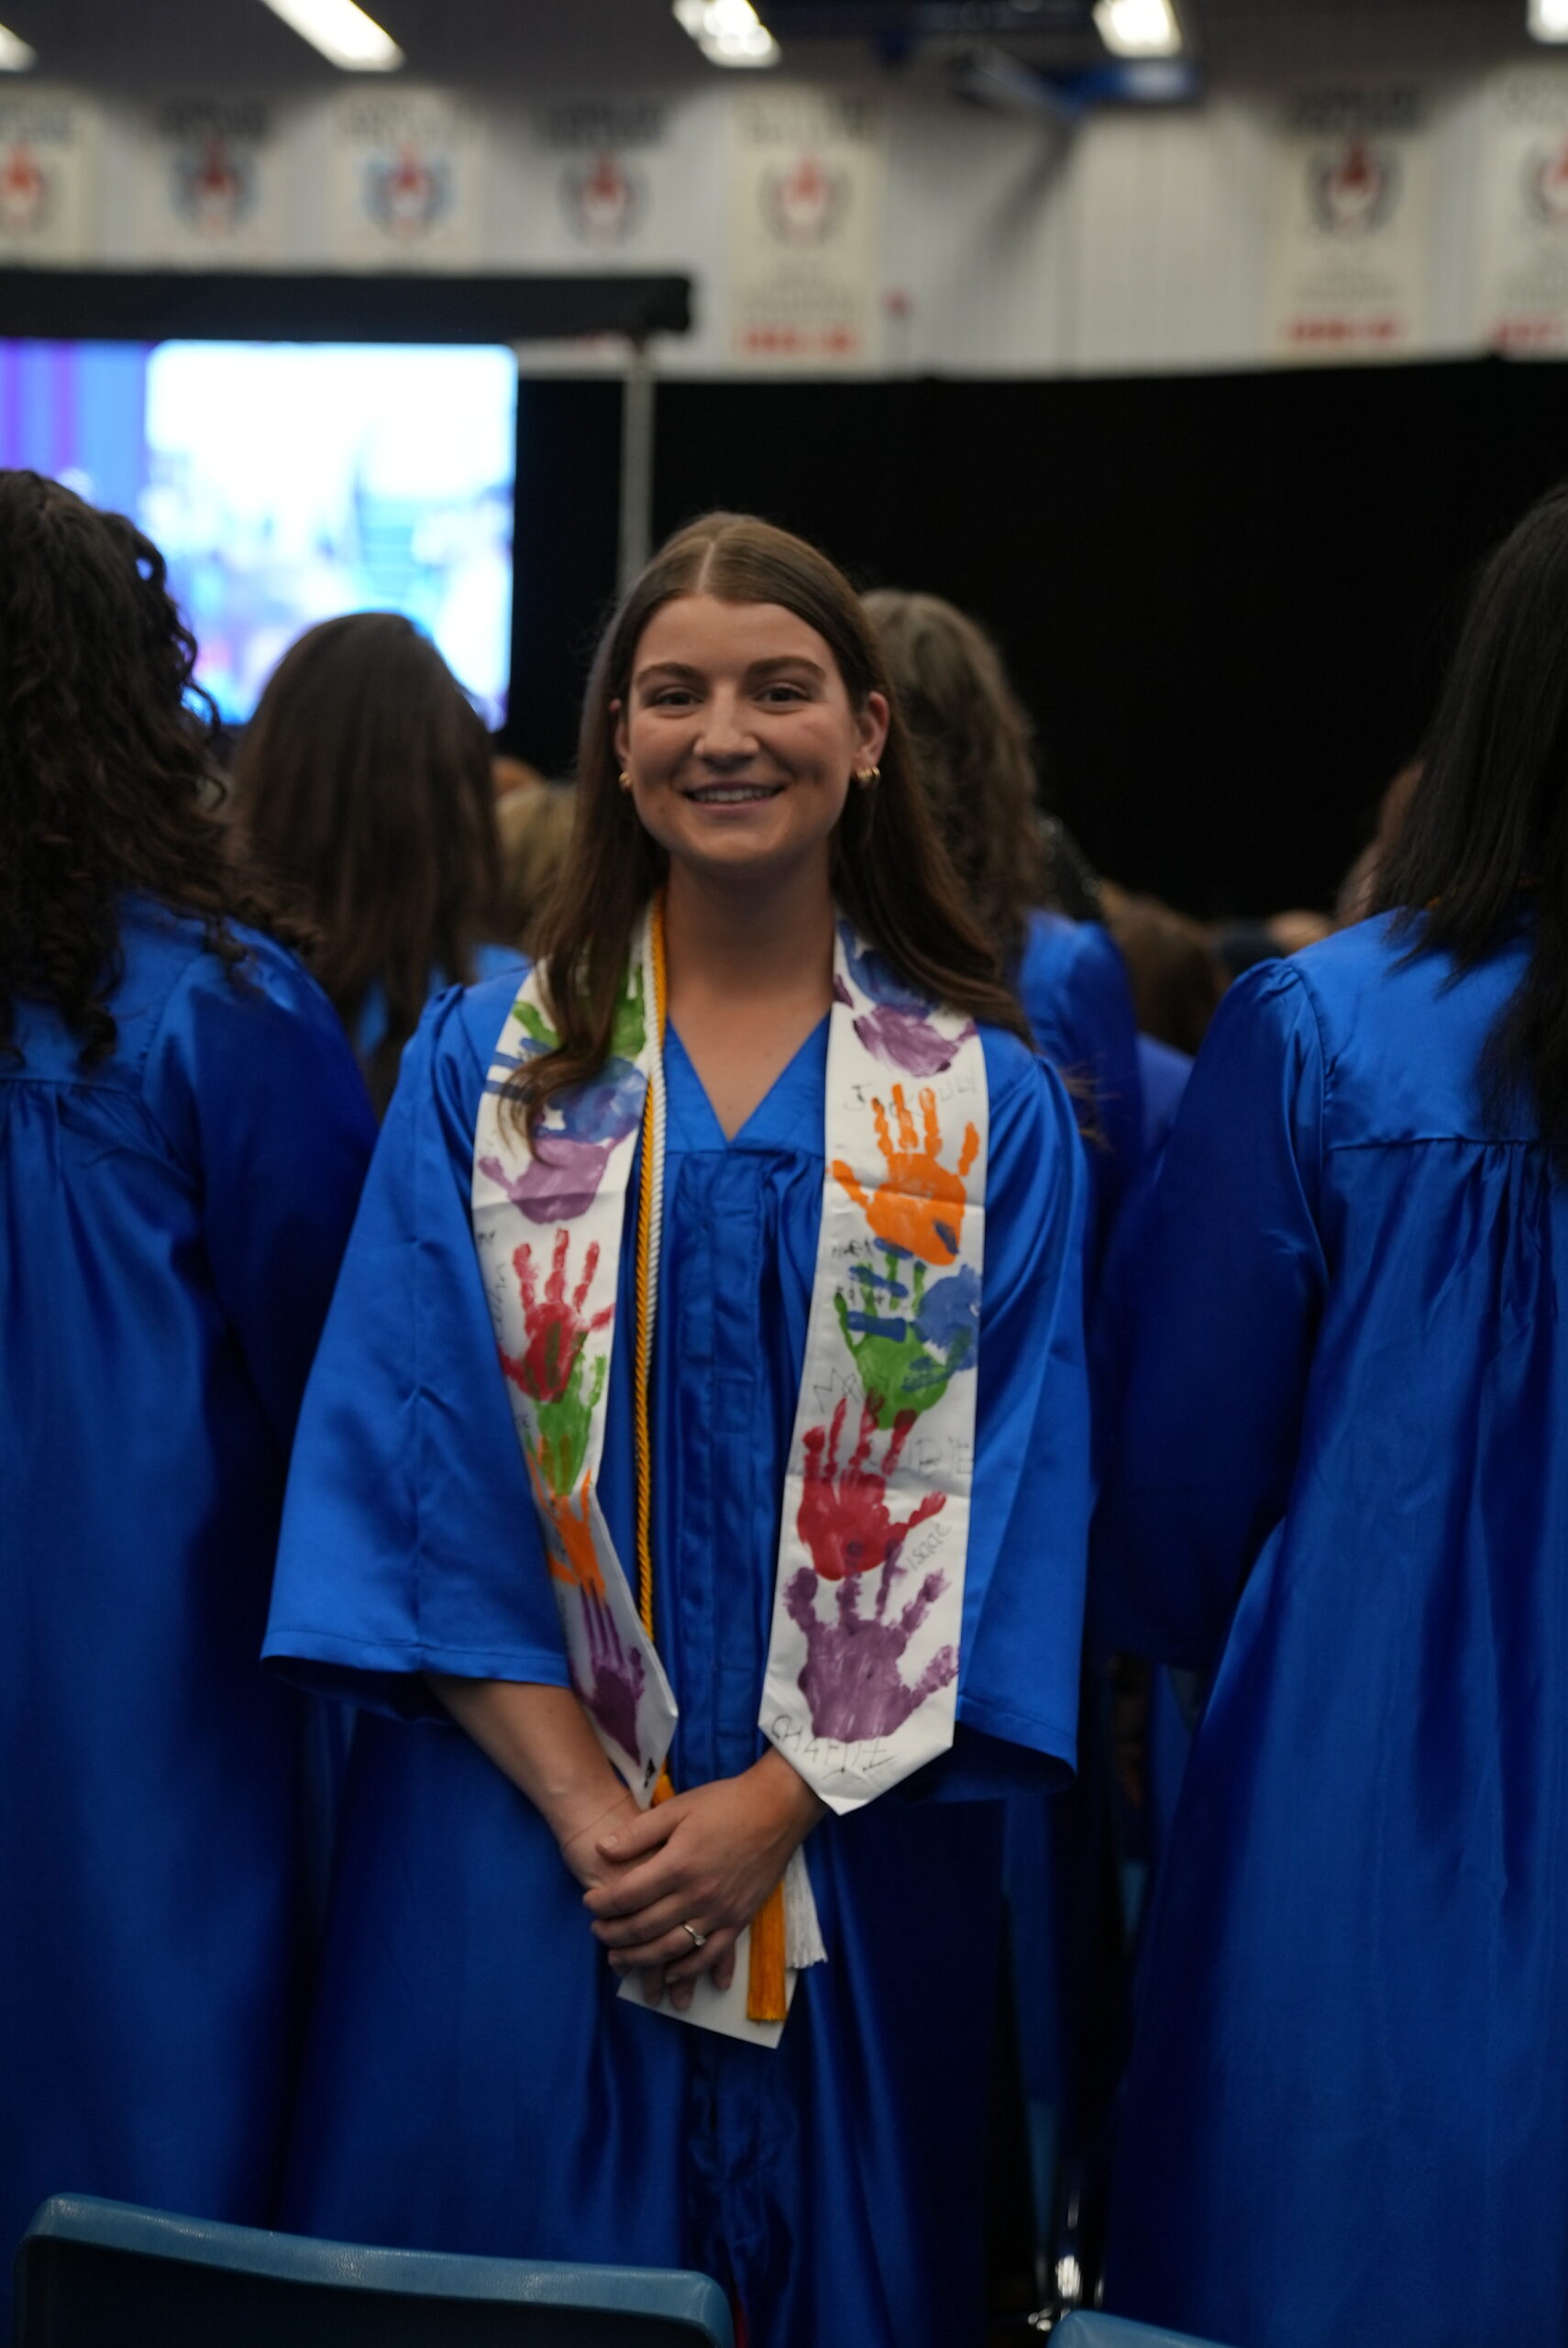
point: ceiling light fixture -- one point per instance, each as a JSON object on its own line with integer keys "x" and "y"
{"x": 1549, "y": 19}
{"x": 343, "y": 33}
{"x": 16, "y": 57}
{"x": 1139, "y": 27}
{"x": 728, "y": 32}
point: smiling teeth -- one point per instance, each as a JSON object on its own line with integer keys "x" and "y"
{"x": 735, "y": 794}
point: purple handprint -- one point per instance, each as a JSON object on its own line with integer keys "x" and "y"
{"x": 898, "y": 1030}
{"x": 561, "y": 1178}
{"x": 852, "y": 1679}
{"x": 612, "y": 1694}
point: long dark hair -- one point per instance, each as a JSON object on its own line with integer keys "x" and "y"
{"x": 888, "y": 870}
{"x": 1485, "y": 845}
{"x": 973, "y": 755}
{"x": 363, "y": 784}
{"x": 106, "y": 781}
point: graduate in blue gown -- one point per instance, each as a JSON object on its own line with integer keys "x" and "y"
{"x": 1340, "y": 1491}
{"x": 363, "y": 785}
{"x": 182, "y": 1138}
{"x": 472, "y": 2081}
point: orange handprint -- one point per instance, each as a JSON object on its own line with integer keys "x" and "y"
{"x": 571, "y": 1552}
{"x": 919, "y": 1209}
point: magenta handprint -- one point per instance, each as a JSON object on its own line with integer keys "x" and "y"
{"x": 851, "y": 1678}
{"x": 552, "y": 1369}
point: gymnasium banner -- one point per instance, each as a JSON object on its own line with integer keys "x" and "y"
{"x": 603, "y": 158}
{"x": 1349, "y": 227}
{"x": 408, "y": 180}
{"x": 1524, "y": 211}
{"x": 209, "y": 184}
{"x": 805, "y": 204}
{"x": 48, "y": 150}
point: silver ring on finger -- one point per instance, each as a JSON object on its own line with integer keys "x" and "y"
{"x": 697, "y": 1939}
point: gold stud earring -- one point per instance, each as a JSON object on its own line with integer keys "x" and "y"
{"x": 867, "y": 776}
{"x": 625, "y": 779}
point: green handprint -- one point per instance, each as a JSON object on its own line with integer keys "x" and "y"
{"x": 909, "y": 1342}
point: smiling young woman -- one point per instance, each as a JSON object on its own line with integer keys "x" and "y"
{"x": 770, "y": 1516}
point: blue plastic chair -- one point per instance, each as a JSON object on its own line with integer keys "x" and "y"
{"x": 103, "y": 2274}
{"x": 1080, "y": 2330}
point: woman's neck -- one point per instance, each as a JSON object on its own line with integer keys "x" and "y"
{"x": 750, "y": 976}
{"x": 749, "y": 941}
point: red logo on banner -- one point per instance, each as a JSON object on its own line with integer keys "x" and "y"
{"x": 1353, "y": 189}
{"x": 1546, "y": 184}
{"x": 406, "y": 193}
{"x": 24, "y": 190}
{"x": 215, "y": 186}
{"x": 802, "y": 204}
{"x": 601, "y": 198}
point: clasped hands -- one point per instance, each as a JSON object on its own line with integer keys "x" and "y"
{"x": 708, "y": 1859}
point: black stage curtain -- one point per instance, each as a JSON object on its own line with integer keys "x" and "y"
{"x": 1227, "y": 601}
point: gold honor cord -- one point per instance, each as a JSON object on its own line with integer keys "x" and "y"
{"x": 766, "y": 2000}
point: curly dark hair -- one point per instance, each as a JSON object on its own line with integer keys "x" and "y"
{"x": 106, "y": 781}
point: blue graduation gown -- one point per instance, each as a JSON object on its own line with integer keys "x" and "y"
{"x": 170, "y": 1224}
{"x": 1072, "y": 985}
{"x": 472, "y": 2082}
{"x": 1341, "y": 1483}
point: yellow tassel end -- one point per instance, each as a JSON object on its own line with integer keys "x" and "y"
{"x": 765, "y": 1982}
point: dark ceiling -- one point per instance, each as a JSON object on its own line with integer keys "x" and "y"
{"x": 536, "y": 46}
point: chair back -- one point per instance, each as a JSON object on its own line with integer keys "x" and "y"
{"x": 1084, "y": 2330}
{"x": 97, "y": 2273}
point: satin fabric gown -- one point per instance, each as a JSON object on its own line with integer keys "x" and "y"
{"x": 472, "y": 2082}
{"x": 1342, "y": 1485}
{"x": 170, "y": 1224}
{"x": 1073, "y": 984}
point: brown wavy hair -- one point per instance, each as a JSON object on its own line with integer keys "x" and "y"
{"x": 363, "y": 785}
{"x": 889, "y": 870}
{"x": 974, "y": 754}
{"x": 108, "y": 785}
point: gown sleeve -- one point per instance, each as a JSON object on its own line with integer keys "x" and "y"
{"x": 252, "y": 1077}
{"x": 409, "y": 1541}
{"x": 1221, "y": 1290}
{"x": 1023, "y": 1593}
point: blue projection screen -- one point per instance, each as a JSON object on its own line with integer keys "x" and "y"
{"x": 286, "y": 482}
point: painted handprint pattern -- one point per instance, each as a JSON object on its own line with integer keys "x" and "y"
{"x": 853, "y": 1676}
{"x": 554, "y": 1369}
{"x": 917, "y": 1208}
{"x": 907, "y": 1336}
{"x": 864, "y": 1659}
{"x": 893, "y": 1022}
{"x": 607, "y": 1676}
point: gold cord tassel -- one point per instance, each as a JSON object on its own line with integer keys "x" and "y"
{"x": 765, "y": 2000}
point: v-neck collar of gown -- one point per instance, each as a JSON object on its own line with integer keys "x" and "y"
{"x": 788, "y": 1114}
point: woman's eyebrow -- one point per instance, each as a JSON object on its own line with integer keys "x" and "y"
{"x": 681, "y": 672}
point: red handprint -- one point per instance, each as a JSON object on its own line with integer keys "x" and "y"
{"x": 843, "y": 1517}
{"x": 554, "y": 1325}
{"x": 918, "y": 1209}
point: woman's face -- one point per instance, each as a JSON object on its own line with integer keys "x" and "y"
{"x": 740, "y": 740}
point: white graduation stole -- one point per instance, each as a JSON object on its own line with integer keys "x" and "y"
{"x": 861, "y": 1684}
